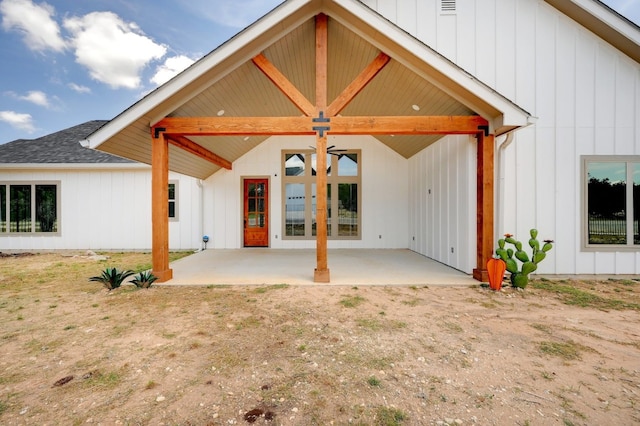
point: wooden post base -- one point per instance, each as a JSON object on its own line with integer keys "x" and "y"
{"x": 481, "y": 275}
{"x": 321, "y": 276}
{"x": 163, "y": 275}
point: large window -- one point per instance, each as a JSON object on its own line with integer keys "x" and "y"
{"x": 28, "y": 208}
{"x": 612, "y": 188}
{"x": 343, "y": 194}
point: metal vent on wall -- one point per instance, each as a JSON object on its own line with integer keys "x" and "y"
{"x": 448, "y": 6}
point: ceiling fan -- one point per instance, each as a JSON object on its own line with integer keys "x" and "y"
{"x": 331, "y": 150}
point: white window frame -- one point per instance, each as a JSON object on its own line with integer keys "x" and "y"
{"x": 308, "y": 180}
{"x": 32, "y": 184}
{"x": 629, "y": 160}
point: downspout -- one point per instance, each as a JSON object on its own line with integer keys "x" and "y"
{"x": 501, "y": 182}
{"x": 201, "y": 196}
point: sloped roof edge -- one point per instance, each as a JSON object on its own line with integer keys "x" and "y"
{"x": 60, "y": 147}
{"x": 500, "y": 111}
{"x": 424, "y": 60}
{"x": 604, "y": 22}
{"x": 272, "y": 22}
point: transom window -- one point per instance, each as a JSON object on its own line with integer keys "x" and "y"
{"x": 343, "y": 194}
{"x": 29, "y": 207}
{"x": 612, "y": 189}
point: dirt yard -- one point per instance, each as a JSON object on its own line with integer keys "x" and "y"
{"x": 72, "y": 353}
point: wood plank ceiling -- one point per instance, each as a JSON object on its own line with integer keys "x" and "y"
{"x": 247, "y": 92}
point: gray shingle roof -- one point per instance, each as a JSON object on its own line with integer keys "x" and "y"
{"x": 60, "y": 147}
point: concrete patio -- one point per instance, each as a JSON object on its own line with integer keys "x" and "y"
{"x": 347, "y": 267}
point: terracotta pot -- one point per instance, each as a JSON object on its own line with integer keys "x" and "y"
{"x": 495, "y": 269}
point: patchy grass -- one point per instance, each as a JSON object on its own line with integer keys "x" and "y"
{"x": 569, "y": 351}
{"x": 367, "y": 355}
{"x": 352, "y": 301}
{"x": 387, "y": 416}
{"x": 262, "y": 290}
{"x": 584, "y": 296}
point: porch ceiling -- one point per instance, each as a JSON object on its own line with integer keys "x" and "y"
{"x": 235, "y": 87}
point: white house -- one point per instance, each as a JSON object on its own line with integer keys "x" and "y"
{"x": 56, "y": 194}
{"x": 446, "y": 124}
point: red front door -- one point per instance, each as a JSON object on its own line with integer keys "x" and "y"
{"x": 256, "y": 213}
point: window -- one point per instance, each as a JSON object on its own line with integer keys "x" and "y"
{"x": 173, "y": 200}
{"x": 343, "y": 195}
{"x": 27, "y": 208}
{"x": 612, "y": 202}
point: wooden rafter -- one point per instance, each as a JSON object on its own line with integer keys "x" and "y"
{"x": 357, "y": 84}
{"x": 285, "y": 86}
{"x": 197, "y": 150}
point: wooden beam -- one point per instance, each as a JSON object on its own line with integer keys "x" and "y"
{"x": 357, "y": 84}
{"x": 160, "y": 208}
{"x": 484, "y": 205}
{"x": 285, "y": 86}
{"x": 405, "y": 125}
{"x": 321, "y": 273}
{"x": 230, "y": 126}
{"x": 321, "y": 61}
{"x": 427, "y": 125}
{"x": 199, "y": 151}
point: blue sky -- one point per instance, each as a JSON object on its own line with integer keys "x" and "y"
{"x": 69, "y": 61}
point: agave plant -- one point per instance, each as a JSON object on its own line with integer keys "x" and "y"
{"x": 144, "y": 279}
{"x": 112, "y": 277}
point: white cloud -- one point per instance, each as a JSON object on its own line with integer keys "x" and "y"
{"x": 115, "y": 52}
{"x": 17, "y": 120}
{"x": 35, "y": 22}
{"x": 78, "y": 88}
{"x": 36, "y": 97}
{"x": 171, "y": 67}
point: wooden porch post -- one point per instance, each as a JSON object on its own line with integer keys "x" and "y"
{"x": 160, "y": 207}
{"x": 321, "y": 273}
{"x": 484, "y": 202}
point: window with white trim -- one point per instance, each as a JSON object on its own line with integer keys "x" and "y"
{"x": 27, "y": 207}
{"x": 612, "y": 202}
{"x": 173, "y": 200}
{"x": 344, "y": 202}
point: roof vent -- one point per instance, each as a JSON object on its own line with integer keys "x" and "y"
{"x": 448, "y": 6}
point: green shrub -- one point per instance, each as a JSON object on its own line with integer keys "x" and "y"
{"x": 144, "y": 279}
{"x": 112, "y": 277}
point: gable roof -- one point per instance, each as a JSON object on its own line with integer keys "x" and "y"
{"x": 59, "y": 147}
{"x": 227, "y": 82}
{"x": 605, "y": 22}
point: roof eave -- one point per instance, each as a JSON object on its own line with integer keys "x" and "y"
{"x": 240, "y": 48}
{"x": 498, "y": 110}
{"x": 605, "y": 22}
{"x": 74, "y": 166}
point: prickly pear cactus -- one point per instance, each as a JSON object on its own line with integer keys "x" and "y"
{"x": 520, "y": 271}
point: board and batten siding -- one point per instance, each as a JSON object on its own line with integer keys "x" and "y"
{"x": 106, "y": 209}
{"x": 442, "y": 202}
{"x": 384, "y": 193}
{"x": 584, "y": 93}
